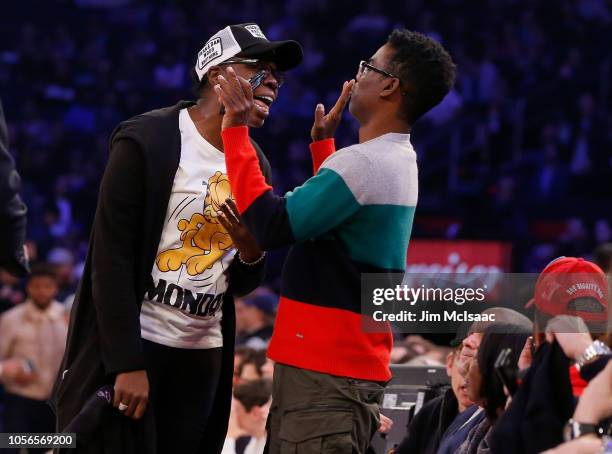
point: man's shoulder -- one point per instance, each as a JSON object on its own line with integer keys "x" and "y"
{"x": 151, "y": 123}
{"x": 346, "y": 158}
{"x": 14, "y": 313}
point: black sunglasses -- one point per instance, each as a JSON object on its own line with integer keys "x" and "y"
{"x": 259, "y": 66}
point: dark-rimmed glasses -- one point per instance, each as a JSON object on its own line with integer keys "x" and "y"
{"x": 364, "y": 65}
{"x": 258, "y": 66}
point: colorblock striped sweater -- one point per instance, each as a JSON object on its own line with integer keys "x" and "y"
{"x": 354, "y": 216}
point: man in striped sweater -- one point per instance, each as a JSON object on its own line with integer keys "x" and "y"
{"x": 353, "y": 216}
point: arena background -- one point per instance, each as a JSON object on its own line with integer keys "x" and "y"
{"x": 518, "y": 154}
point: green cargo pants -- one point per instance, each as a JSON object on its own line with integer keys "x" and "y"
{"x": 315, "y": 413}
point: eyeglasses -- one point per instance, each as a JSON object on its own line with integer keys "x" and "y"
{"x": 258, "y": 66}
{"x": 364, "y": 66}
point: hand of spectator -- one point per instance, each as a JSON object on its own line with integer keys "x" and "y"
{"x": 589, "y": 444}
{"x": 595, "y": 404}
{"x": 132, "y": 389}
{"x": 325, "y": 126}
{"x": 571, "y": 333}
{"x": 236, "y": 95}
{"x": 13, "y": 371}
{"x": 242, "y": 238}
{"x": 526, "y": 357}
{"x": 385, "y": 424}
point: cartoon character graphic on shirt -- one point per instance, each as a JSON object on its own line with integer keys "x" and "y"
{"x": 204, "y": 239}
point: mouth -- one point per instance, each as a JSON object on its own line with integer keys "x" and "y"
{"x": 263, "y": 101}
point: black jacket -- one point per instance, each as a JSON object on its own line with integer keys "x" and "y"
{"x": 104, "y": 333}
{"x": 540, "y": 407}
{"x": 12, "y": 210}
{"x": 429, "y": 424}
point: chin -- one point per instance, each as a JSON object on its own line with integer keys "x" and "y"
{"x": 256, "y": 121}
{"x": 354, "y": 110}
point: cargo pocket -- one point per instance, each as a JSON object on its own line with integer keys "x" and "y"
{"x": 317, "y": 430}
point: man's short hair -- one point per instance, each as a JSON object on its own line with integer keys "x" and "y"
{"x": 425, "y": 69}
{"x": 255, "y": 393}
{"x": 43, "y": 270}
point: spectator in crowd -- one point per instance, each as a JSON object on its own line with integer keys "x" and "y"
{"x": 251, "y": 366}
{"x": 571, "y": 304}
{"x": 561, "y": 290}
{"x": 459, "y": 429}
{"x": 240, "y": 354}
{"x": 484, "y": 385}
{"x": 255, "y": 318}
{"x": 545, "y": 398}
{"x": 252, "y": 404}
{"x": 32, "y": 341}
{"x": 435, "y": 417}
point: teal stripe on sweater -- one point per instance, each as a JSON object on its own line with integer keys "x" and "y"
{"x": 378, "y": 235}
{"x": 319, "y": 205}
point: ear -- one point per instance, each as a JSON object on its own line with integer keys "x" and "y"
{"x": 391, "y": 86}
{"x": 212, "y": 75}
{"x": 450, "y": 359}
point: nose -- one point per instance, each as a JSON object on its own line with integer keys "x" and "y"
{"x": 270, "y": 81}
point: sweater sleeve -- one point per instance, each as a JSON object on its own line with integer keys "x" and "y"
{"x": 319, "y": 205}
{"x": 117, "y": 228}
{"x": 320, "y": 151}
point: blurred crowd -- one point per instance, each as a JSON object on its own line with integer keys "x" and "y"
{"x": 519, "y": 151}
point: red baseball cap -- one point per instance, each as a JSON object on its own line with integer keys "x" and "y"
{"x": 563, "y": 281}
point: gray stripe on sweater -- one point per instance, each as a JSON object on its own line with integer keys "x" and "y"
{"x": 380, "y": 171}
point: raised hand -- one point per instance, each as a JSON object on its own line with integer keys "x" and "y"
{"x": 236, "y": 95}
{"x": 324, "y": 125}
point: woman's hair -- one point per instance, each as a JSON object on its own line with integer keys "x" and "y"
{"x": 495, "y": 339}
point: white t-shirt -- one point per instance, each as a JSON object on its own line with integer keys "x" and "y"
{"x": 182, "y": 307}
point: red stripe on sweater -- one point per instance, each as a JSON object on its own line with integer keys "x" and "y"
{"x": 245, "y": 177}
{"x": 330, "y": 341}
{"x": 320, "y": 151}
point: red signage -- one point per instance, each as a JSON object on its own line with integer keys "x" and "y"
{"x": 440, "y": 256}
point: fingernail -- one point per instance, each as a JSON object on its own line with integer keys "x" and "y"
{"x": 320, "y": 106}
